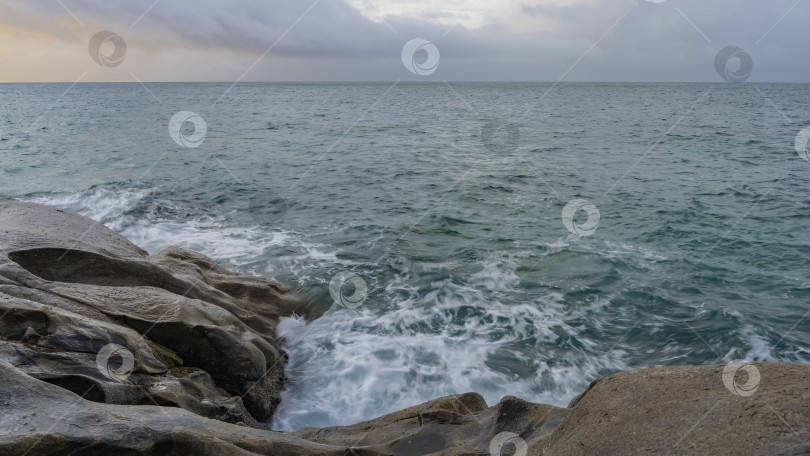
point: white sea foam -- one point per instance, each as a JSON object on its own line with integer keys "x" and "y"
{"x": 213, "y": 235}
{"x": 352, "y": 365}
{"x": 105, "y": 204}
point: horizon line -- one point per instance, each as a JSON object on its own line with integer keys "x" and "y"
{"x": 403, "y": 82}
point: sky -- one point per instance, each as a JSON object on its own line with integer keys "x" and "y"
{"x": 388, "y": 40}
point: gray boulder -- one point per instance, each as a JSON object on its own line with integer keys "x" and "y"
{"x": 85, "y": 309}
{"x": 691, "y": 410}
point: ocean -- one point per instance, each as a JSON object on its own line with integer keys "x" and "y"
{"x": 507, "y": 239}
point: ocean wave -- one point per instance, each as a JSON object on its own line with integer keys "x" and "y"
{"x": 150, "y": 219}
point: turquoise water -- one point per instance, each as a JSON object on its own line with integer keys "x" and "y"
{"x": 447, "y": 201}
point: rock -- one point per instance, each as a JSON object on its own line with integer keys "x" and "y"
{"x": 107, "y": 350}
{"x": 689, "y": 410}
{"x": 455, "y": 425}
{"x": 187, "y": 332}
{"x": 41, "y": 418}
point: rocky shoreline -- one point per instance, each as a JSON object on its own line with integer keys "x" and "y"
{"x": 105, "y": 349}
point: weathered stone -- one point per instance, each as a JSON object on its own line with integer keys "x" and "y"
{"x": 59, "y": 422}
{"x": 689, "y": 410}
{"x": 70, "y": 286}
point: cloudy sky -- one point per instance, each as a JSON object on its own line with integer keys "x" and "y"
{"x": 363, "y": 40}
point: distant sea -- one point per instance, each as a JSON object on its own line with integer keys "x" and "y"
{"x": 687, "y": 239}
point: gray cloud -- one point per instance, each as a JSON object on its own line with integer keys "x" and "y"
{"x": 654, "y": 42}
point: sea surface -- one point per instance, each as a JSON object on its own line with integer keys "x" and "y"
{"x": 447, "y": 201}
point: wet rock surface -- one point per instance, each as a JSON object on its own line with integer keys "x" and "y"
{"x": 85, "y": 309}
{"x": 105, "y": 349}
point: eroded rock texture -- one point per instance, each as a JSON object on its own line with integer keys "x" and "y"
{"x": 178, "y": 329}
